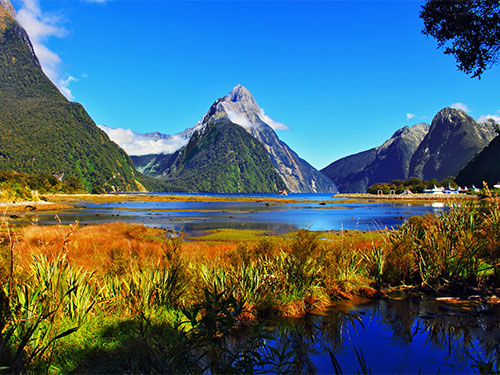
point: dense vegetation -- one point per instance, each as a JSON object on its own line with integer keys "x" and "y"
{"x": 126, "y": 298}
{"x": 23, "y": 186}
{"x": 414, "y": 184}
{"x": 42, "y": 132}
{"x": 225, "y": 158}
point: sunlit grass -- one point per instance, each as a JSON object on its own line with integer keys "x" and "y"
{"x": 238, "y": 235}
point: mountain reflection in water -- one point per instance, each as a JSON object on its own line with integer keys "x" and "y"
{"x": 408, "y": 336}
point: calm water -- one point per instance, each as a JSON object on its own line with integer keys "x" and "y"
{"x": 408, "y": 337}
{"x": 279, "y": 217}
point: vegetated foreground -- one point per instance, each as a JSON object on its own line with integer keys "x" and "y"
{"x": 128, "y": 298}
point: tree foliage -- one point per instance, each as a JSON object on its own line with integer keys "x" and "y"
{"x": 466, "y": 29}
{"x": 21, "y": 186}
{"x": 414, "y": 184}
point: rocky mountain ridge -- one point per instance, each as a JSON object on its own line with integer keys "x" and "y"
{"x": 438, "y": 151}
{"x": 386, "y": 162}
{"x": 454, "y": 138}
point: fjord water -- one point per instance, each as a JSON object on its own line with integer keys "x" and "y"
{"x": 196, "y": 216}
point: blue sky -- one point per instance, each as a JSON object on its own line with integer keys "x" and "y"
{"x": 342, "y": 75}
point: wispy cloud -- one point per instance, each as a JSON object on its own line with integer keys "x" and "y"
{"x": 495, "y": 117}
{"x": 40, "y": 26}
{"x": 410, "y": 116}
{"x": 461, "y": 106}
{"x": 269, "y": 121}
{"x": 144, "y": 144}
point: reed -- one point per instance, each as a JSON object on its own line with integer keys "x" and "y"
{"x": 454, "y": 248}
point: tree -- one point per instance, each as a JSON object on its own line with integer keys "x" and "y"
{"x": 466, "y": 29}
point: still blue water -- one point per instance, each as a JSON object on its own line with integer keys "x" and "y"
{"x": 407, "y": 337}
{"x": 277, "y": 217}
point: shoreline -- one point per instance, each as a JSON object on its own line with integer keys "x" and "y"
{"x": 181, "y": 197}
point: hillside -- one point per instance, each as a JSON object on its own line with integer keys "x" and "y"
{"x": 484, "y": 167}
{"x": 222, "y": 157}
{"x": 42, "y": 132}
{"x": 240, "y": 108}
{"x": 438, "y": 151}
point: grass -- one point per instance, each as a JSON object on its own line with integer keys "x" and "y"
{"x": 236, "y": 235}
{"x": 120, "y": 296}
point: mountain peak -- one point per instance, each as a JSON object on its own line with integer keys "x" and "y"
{"x": 239, "y": 94}
{"x": 8, "y": 7}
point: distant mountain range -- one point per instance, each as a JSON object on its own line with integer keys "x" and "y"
{"x": 384, "y": 163}
{"x": 438, "y": 151}
{"x": 241, "y": 165}
{"x": 42, "y": 132}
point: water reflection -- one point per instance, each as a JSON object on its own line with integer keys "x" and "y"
{"x": 410, "y": 336}
{"x": 279, "y": 217}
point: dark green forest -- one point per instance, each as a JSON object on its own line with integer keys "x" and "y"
{"x": 42, "y": 132}
{"x": 225, "y": 158}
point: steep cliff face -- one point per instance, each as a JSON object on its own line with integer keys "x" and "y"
{"x": 438, "y": 151}
{"x": 454, "y": 138}
{"x": 354, "y": 173}
{"x": 41, "y": 131}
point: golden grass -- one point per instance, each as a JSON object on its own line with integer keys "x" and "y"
{"x": 105, "y": 248}
{"x": 98, "y": 248}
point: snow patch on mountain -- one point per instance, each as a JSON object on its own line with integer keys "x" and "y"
{"x": 242, "y": 109}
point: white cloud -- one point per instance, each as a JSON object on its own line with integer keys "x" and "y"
{"x": 269, "y": 121}
{"x": 40, "y": 27}
{"x": 63, "y": 86}
{"x": 410, "y": 116}
{"x": 461, "y": 106}
{"x": 483, "y": 118}
{"x": 143, "y": 144}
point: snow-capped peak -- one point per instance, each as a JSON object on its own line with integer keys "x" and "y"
{"x": 239, "y": 106}
{"x": 242, "y": 109}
